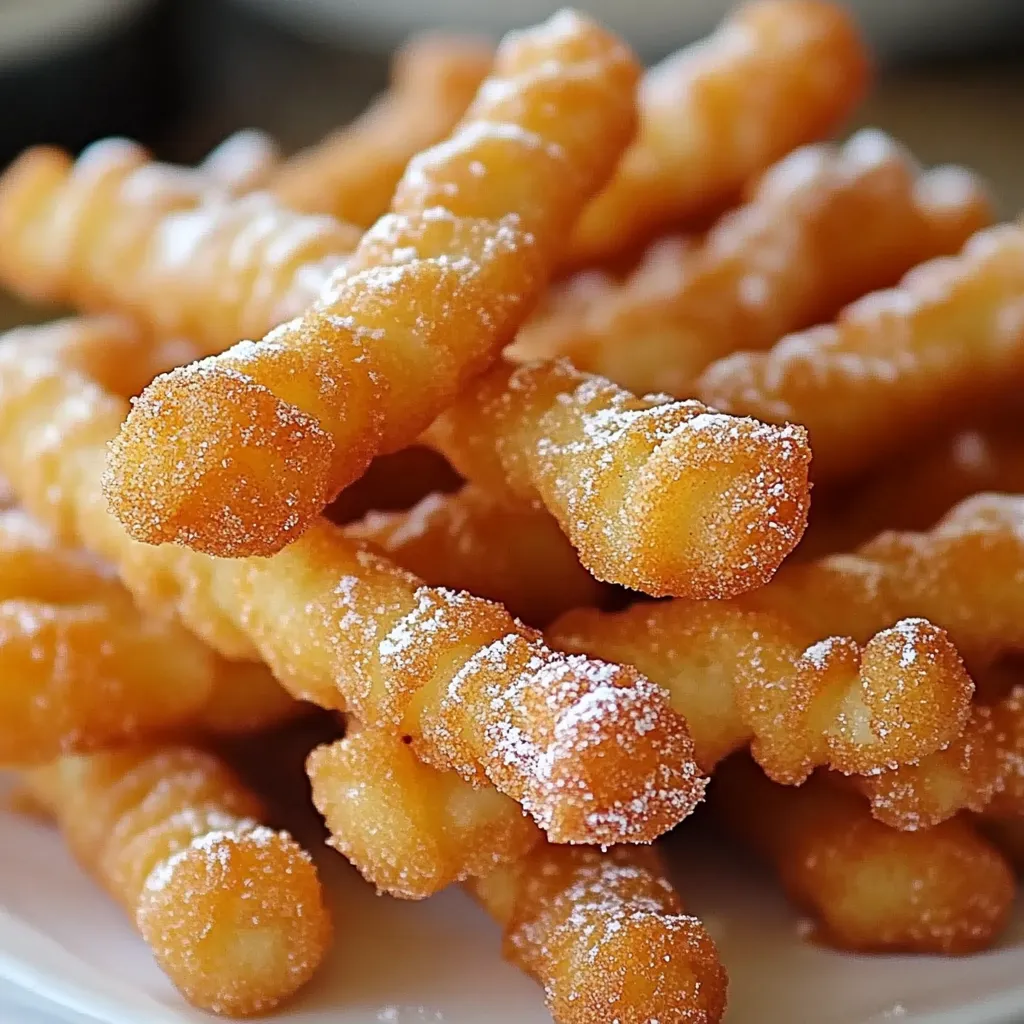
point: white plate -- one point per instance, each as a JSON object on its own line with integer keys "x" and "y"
{"x": 63, "y": 945}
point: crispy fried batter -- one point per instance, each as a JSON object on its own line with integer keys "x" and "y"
{"x": 661, "y": 496}
{"x": 896, "y": 364}
{"x": 965, "y": 574}
{"x": 115, "y": 231}
{"x": 238, "y": 454}
{"x": 353, "y": 172}
{"x": 869, "y": 887}
{"x": 243, "y": 162}
{"x": 602, "y": 932}
{"x": 410, "y": 829}
{"x": 915, "y": 494}
{"x": 82, "y": 669}
{"x": 741, "y": 676}
{"x": 966, "y": 775}
{"x": 493, "y": 547}
{"x": 605, "y": 934}
{"x": 233, "y": 911}
{"x": 776, "y": 74}
{"x": 342, "y": 626}
{"x": 823, "y": 226}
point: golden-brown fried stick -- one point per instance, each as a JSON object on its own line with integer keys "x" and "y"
{"x": 592, "y": 750}
{"x": 243, "y": 162}
{"x": 503, "y": 550}
{"x": 869, "y": 888}
{"x": 964, "y": 574}
{"x": 661, "y": 496}
{"x": 83, "y": 669}
{"x": 740, "y": 676}
{"x": 602, "y": 932}
{"x": 823, "y": 226}
{"x": 913, "y": 494}
{"x": 971, "y": 774}
{"x": 776, "y": 74}
{"x": 896, "y": 364}
{"x": 408, "y": 828}
{"x": 239, "y": 453}
{"x": 233, "y": 911}
{"x": 353, "y": 172}
{"x": 605, "y": 934}
{"x": 115, "y": 231}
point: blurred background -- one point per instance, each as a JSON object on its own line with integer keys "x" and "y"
{"x": 181, "y": 74}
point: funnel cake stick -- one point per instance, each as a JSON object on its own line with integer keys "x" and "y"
{"x": 896, "y": 363}
{"x": 239, "y": 453}
{"x": 233, "y": 911}
{"x": 776, "y": 74}
{"x": 870, "y": 888}
{"x": 592, "y": 750}
{"x": 823, "y": 226}
{"x": 670, "y": 498}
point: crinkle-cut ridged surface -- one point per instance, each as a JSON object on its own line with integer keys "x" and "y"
{"x": 605, "y": 935}
{"x": 107, "y": 348}
{"x": 741, "y": 676}
{"x": 490, "y": 545}
{"x": 967, "y": 775}
{"x": 823, "y": 226}
{"x": 233, "y": 911}
{"x": 870, "y": 888}
{"x": 239, "y": 453}
{"x": 592, "y": 750}
{"x": 245, "y": 161}
{"x": 966, "y": 574}
{"x": 670, "y": 498}
{"x": 352, "y": 173}
{"x": 914, "y": 494}
{"x": 776, "y": 74}
{"x": 115, "y": 231}
{"x": 408, "y": 828}
{"x": 83, "y": 669}
{"x": 895, "y": 364}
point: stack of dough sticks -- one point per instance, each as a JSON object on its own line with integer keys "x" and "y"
{"x": 523, "y": 540}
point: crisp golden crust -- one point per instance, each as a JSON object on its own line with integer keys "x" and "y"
{"x": 233, "y": 911}
{"x": 967, "y": 775}
{"x": 605, "y": 934}
{"x": 503, "y": 550}
{"x": 894, "y": 365}
{"x": 915, "y": 494}
{"x": 84, "y": 670}
{"x": 115, "y": 231}
{"x": 408, "y": 828}
{"x": 664, "y": 497}
{"x": 592, "y": 750}
{"x": 776, "y": 74}
{"x": 822, "y": 227}
{"x": 741, "y": 676}
{"x": 963, "y": 574}
{"x": 236, "y": 455}
{"x": 352, "y": 173}
{"x": 870, "y": 888}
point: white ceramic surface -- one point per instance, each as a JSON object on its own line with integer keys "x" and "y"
{"x": 63, "y": 945}
{"x": 651, "y": 25}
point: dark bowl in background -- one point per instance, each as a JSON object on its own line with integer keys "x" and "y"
{"x": 84, "y": 69}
